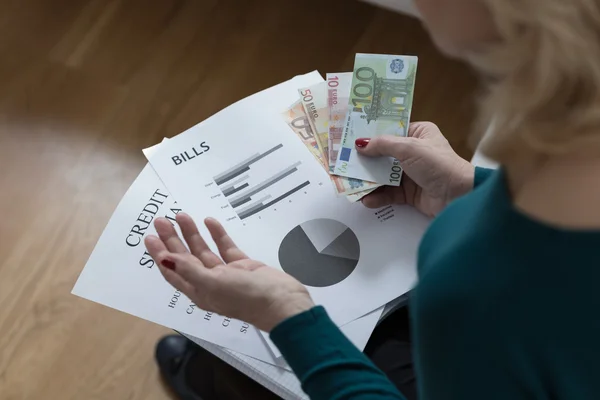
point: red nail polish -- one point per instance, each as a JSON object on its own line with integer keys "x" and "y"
{"x": 168, "y": 264}
{"x": 362, "y": 142}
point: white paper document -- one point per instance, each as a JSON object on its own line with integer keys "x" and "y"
{"x": 244, "y": 167}
{"x": 120, "y": 274}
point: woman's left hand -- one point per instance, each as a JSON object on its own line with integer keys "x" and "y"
{"x": 232, "y": 284}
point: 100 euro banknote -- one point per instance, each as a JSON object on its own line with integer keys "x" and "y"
{"x": 380, "y": 103}
{"x": 338, "y": 91}
{"x": 298, "y": 121}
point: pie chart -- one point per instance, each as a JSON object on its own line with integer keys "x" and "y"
{"x": 319, "y": 252}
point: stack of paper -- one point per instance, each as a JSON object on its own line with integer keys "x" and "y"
{"x": 246, "y": 167}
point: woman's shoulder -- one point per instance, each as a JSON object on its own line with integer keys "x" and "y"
{"x": 563, "y": 194}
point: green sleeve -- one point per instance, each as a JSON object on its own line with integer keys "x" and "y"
{"x": 327, "y": 364}
{"x": 481, "y": 174}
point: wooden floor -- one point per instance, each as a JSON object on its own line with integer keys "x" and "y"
{"x": 86, "y": 84}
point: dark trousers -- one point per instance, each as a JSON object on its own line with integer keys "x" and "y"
{"x": 389, "y": 348}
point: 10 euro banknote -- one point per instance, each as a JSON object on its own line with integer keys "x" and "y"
{"x": 338, "y": 90}
{"x": 380, "y": 103}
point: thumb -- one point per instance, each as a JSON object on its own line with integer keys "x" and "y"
{"x": 398, "y": 147}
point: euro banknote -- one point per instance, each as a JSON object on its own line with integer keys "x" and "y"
{"x": 353, "y": 198}
{"x": 379, "y": 103}
{"x": 314, "y": 101}
{"x": 347, "y": 186}
{"x": 338, "y": 91}
{"x": 298, "y": 121}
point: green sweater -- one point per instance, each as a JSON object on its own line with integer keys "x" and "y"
{"x": 506, "y": 308}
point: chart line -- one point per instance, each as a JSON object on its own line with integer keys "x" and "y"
{"x": 251, "y": 211}
{"x": 242, "y": 167}
{"x": 242, "y": 179}
{"x": 231, "y": 191}
{"x": 236, "y": 201}
{"x": 256, "y": 204}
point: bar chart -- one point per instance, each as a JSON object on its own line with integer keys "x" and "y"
{"x": 251, "y": 186}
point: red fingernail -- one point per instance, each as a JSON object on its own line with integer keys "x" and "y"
{"x": 362, "y": 142}
{"x": 168, "y": 264}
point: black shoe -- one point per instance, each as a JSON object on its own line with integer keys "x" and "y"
{"x": 176, "y": 356}
{"x": 193, "y": 373}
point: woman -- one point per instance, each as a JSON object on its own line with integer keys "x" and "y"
{"x": 507, "y": 300}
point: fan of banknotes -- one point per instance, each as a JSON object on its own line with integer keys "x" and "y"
{"x": 375, "y": 99}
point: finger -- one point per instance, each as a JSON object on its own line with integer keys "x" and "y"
{"x": 158, "y": 251}
{"x": 384, "y": 196}
{"x": 227, "y": 248}
{"x": 177, "y": 281}
{"x": 168, "y": 234}
{"x": 191, "y": 270}
{"x": 155, "y": 246}
{"x": 388, "y": 146}
{"x": 423, "y": 129}
{"x": 195, "y": 242}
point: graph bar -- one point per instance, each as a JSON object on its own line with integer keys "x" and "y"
{"x": 237, "y": 182}
{"x": 230, "y": 191}
{"x": 232, "y": 175}
{"x": 247, "y": 200}
{"x": 236, "y": 201}
{"x": 256, "y": 204}
{"x": 253, "y": 210}
{"x": 242, "y": 167}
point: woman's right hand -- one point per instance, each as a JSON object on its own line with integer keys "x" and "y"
{"x": 434, "y": 174}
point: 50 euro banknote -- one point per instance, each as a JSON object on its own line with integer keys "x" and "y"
{"x": 379, "y": 103}
{"x": 314, "y": 102}
{"x": 298, "y": 121}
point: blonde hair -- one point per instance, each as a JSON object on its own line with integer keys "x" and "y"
{"x": 544, "y": 88}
